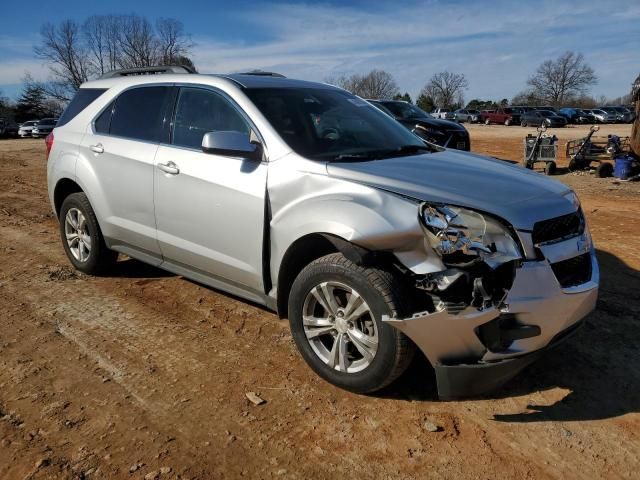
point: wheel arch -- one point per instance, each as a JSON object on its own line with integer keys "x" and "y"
{"x": 305, "y": 250}
{"x": 64, "y": 187}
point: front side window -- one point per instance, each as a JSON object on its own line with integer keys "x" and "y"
{"x": 322, "y": 123}
{"x": 200, "y": 111}
{"x": 143, "y": 114}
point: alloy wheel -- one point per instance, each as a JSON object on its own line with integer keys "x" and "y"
{"x": 340, "y": 327}
{"x": 77, "y": 234}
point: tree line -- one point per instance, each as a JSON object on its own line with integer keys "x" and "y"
{"x": 76, "y": 52}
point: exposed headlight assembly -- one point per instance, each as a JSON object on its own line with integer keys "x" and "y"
{"x": 460, "y": 235}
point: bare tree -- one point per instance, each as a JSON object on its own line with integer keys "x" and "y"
{"x": 102, "y": 36}
{"x": 560, "y": 80}
{"x": 105, "y": 43}
{"x": 62, "y": 46}
{"x": 138, "y": 42}
{"x": 446, "y": 89}
{"x": 173, "y": 43}
{"x": 377, "y": 84}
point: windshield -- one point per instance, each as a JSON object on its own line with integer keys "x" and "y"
{"x": 406, "y": 110}
{"x": 320, "y": 123}
{"x": 547, "y": 113}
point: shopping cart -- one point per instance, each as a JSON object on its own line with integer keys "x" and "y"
{"x": 541, "y": 148}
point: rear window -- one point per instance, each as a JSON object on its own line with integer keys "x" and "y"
{"x": 82, "y": 100}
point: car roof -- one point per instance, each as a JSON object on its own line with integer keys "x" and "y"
{"x": 241, "y": 80}
{"x": 268, "y": 81}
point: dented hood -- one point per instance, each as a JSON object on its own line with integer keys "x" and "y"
{"x": 518, "y": 195}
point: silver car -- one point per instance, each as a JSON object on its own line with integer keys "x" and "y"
{"x": 602, "y": 116}
{"x": 463, "y": 115}
{"x": 306, "y": 199}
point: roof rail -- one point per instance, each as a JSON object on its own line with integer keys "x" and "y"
{"x": 156, "y": 69}
{"x": 260, "y": 73}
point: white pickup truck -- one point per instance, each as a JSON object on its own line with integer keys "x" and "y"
{"x": 443, "y": 113}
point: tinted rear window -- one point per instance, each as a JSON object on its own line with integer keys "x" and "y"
{"x": 143, "y": 113}
{"x": 82, "y": 100}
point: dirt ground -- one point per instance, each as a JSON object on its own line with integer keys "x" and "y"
{"x": 143, "y": 374}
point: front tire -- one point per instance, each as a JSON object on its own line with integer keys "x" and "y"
{"x": 81, "y": 236}
{"x": 335, "y": 313}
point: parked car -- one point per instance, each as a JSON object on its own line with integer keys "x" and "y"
{"x": 306, "y": 199}
{"x": 441, "y": 132}
{"x": 26, "y": 128}
{"x": 547, "y": 108}
{"x": 523, "y": 108}
{"x": 443, "y": 114}
{"x": 463, "y": 115}
{"x": 576, "y": 115}
{"x": 507, "y": 116}
{"x": 602, "y": 116}
{"x": 43, "y": 127}
{"x": 8, "y": 128}
{"x": 621, "y": 114}
{"x": 536, "y": 118}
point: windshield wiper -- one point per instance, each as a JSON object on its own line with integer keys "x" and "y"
{"x": 406, "y": 150}
{"x": 348, "y": 157}
{"x": 381, "y": 154}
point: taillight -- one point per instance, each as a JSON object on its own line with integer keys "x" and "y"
{"x": 49, "y": 142}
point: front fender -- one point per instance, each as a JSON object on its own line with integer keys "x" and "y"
{"x": 307, "y": 202}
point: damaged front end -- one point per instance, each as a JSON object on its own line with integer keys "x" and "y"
{"x": 480, "y": 255}
{"x": 491, "y": 309}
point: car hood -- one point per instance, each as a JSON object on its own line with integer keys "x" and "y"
{"x": 519, "y": 196}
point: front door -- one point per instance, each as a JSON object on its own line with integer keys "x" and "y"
{"x": 210, "y": 208}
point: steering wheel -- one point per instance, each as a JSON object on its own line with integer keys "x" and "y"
{"x": 330, "y": 134}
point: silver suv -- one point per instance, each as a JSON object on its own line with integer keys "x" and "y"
{"x": 306, "y": 199}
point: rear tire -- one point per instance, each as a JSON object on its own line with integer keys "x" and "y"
{"x": 604, "y": 170}
{"x": 487, "y": 122}
{"x": 507, "y": 122}
{"x": 523, "y": 124}
{"x": 335, "y": 313}
{"x": 550, "y": 168}
{"x": 81, "y": 236}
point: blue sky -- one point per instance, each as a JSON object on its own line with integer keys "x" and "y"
{"x": 496, "y": 44}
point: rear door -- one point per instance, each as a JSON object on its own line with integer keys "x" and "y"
{"x": 121, "y": 153}
{"x": 210, "y": 208}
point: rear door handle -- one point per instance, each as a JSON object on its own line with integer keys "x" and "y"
{"x": 169, "y": 167}
{"x": 96, "y": 148}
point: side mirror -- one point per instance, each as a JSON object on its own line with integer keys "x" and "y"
{"x": 232, "y": 144}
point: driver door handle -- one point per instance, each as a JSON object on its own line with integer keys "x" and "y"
{"x": 169, "y": 167}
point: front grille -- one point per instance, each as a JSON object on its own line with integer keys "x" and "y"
{"x": 574, "y": 271}
{"x": 558, "y": 228}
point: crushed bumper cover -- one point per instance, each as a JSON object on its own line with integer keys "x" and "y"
{"x": 462, "y": 381}
{"x": 465, "y": 365}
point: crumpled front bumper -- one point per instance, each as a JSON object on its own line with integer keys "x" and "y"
{"x": 464, "y": 365}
